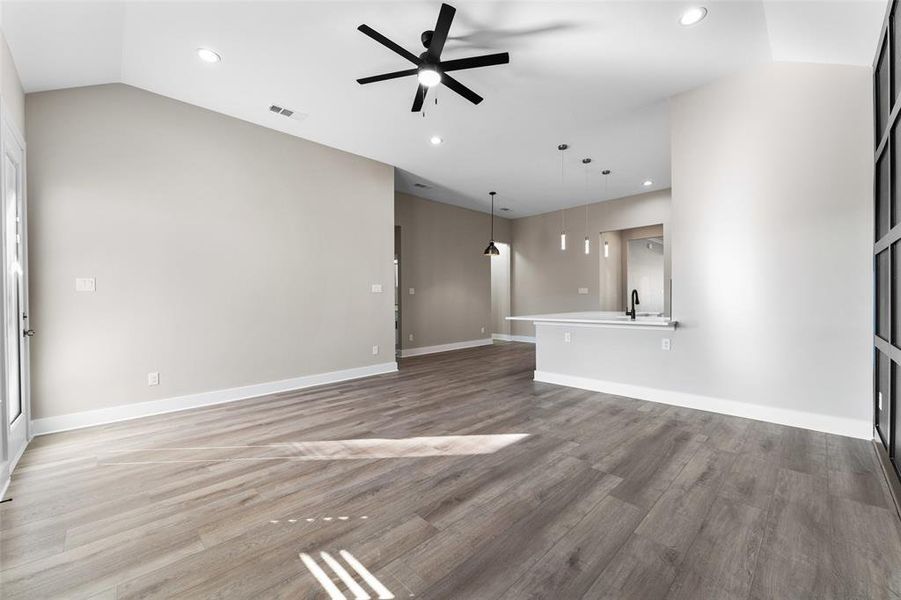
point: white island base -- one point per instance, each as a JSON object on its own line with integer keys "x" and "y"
{"x": 610, "y": 353}
{"x": 601, "y": 350}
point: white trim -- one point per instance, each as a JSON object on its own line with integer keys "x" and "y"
{"x": 506, "y": 337}
{"x": 782, "y": 416}
{"x": 6, "y": 481}
{"x": 12, "y": 137}
{"x": 6, "y": 473}
{"x": 444, "y": 347}
{"x": 155, "y": 407}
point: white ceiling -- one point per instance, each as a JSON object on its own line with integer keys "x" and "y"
{"x": 595, "y": 75}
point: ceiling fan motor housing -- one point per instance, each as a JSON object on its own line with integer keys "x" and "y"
{"x": 429, "y": 67}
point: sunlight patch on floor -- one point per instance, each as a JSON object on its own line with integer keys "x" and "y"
{"x": 369, "y": 448}
{"x": 345, "y": 577}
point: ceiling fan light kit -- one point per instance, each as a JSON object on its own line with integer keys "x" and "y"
{"x": 430, "y": 69}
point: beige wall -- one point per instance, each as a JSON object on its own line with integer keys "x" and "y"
{"x": 612, "y": 270}
{"x": 547, "y": 279}
{"x": 11, "y": 95}
{"x": 442, "y": 260}
{"x": 225, "y": 254}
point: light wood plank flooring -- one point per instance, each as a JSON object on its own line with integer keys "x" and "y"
{"x": 605, "y": 497}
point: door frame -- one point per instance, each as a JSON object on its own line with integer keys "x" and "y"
{"x": 9, "y": 455}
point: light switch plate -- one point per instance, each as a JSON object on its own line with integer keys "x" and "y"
{"x": 412, "y": 291}
{"x": 85, "y": 284}
{"x": 483, "y": 330}
{"x": 567, "y": 336}
{"x": 410, "y": 337}
{"x": 376, "y": 288}
{"x": 375, "y": 349}
{"x": 583, "y": 291}
{"x": 665, "y": 344}
{"x": 153, "y": 378}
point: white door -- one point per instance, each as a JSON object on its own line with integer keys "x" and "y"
{"x": 15, "y": 293}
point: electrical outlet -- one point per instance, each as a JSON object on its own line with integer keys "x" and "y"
{"x": 412, "y": 291}
{"x": 483, "y": 330}
{"x": 665, "y": 344}
{"x": 567, "y": 337}
{"x": 153, "y": 378}
{"x": 410, "y": 337}
{"x": 375, "y": 349}
{"x": 376, "y": 288}
{"x": 583, "y": 291}
{"x": 85, "y": 284}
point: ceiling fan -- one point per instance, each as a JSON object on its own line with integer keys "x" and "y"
{"x": 430, "y": 69}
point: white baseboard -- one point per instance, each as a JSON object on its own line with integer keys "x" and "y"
{"x": 444, "y": 347}
{"x": 781, "y": 416}
{"x": 155, "y": 407}
{"x": 506, "y": 337}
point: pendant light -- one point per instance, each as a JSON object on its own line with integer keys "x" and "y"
{"x": 606, "y": 174}
{"x": 492, "y": 250}
{"x": 562, "y": 148}
{"x": 586, "y": 162}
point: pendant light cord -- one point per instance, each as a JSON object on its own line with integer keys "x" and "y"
{"x": 562, "y": 148}
{"x": 492, "y": 215}
{"x": 586, "y": 162}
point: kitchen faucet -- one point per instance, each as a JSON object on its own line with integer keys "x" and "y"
{"x": 634, "y": 301}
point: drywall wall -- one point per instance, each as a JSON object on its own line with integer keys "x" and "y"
{"x": 441, "y": 259}
{"x": 11, "y": 95}
{"x": 547, "y": 279}
{"x": 610, "y": 251}
{"x": 225, "y": 254}
{"x": 771, "y": 231}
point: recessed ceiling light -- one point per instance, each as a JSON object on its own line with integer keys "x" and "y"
{"x": 435, "y": 140}
{"x": 647, "y": 182}
{"x": 429, "y": 76}
{"x": 693, "y": 15}
{"x": 207, "y": 55}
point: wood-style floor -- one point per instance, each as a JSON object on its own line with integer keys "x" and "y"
{"x": 605, "y": 497}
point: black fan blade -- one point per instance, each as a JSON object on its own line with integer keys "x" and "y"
{"x": 442, "y": 28}
{"x": 388, "y": 43}
{"x": 461, "y": 89}
{"x": 386, "y": 76}
{"x": 475, "y": 61}
{"x": 419, "y": 99}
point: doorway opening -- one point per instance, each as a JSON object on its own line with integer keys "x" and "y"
{"x": 500, "y": 293}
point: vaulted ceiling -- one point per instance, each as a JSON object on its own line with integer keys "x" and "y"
{"x": 595, "y": 75}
